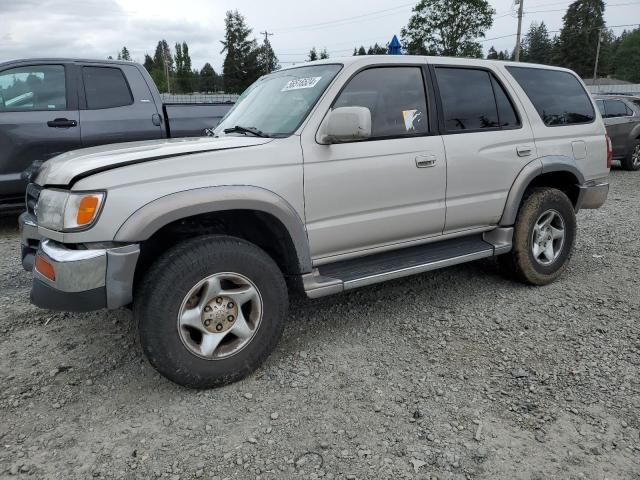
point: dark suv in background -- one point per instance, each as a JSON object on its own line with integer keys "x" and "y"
{"x": 621, "y": 114}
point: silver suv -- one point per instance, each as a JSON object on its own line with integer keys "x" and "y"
{"x": 324, "y": 177}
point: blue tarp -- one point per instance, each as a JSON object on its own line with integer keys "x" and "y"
{"x": 395, "y": 48}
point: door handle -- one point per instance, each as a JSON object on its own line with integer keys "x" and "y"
{"x": 425, "y": 161}
{"x": 156, "y": 119}
{"x": 524, "y": 150}
{"x": 62, "y": 123}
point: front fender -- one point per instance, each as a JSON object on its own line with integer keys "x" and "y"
{"x": 150, "y": 218}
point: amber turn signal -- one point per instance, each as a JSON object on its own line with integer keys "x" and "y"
{"x": 87, "y": 209}
{"x": 45, "y": 268}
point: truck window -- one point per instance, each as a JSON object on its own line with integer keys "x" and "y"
{"x": 600, "y": 104}
{"x": 616, "y": 108}
{"x": 105, "y": 87}
{"x": 473, "y": 100}
{"x": 395, "y": 96}
{"x": 38, "y": 87}
{"x": 558, "y": 96}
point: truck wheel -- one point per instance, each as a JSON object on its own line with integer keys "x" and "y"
{"x": 632, "y": 160}
{"x": 543, "y": 239}
{"x": 210, "y": 311}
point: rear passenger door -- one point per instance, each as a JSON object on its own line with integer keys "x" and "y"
{"x": 38, "y": 119}
{"x": 487, "y": 142}
{"x": 619, "y": 121}
{"x": 116, "y": 105}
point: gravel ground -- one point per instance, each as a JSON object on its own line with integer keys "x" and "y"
{"x": 454, "y": 374}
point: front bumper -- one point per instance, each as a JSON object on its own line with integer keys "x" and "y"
{"x": 85, "y": 278}
{"x": 592, "y": 195}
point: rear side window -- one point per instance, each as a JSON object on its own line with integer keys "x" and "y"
{"x": 473, "y": 99}
{"x": 38, "y": 87}
{"x": 600, "y": 104}
{"x": 615, "y": 108}
{"x": 105, "y": 87}
{"x": 395, "y": 96}
{"x": 558, "y": 96}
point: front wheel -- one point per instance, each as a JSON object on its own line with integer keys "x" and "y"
{"x": 210, "y": 311}
{"x": 632, "y": 160}
{"x": 544, "y": 236}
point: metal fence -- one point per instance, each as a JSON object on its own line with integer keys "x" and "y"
{"x": 625, "y": 89}
{"x": 199, "y": 98}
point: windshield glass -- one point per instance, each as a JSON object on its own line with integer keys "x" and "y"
{"x": 276, "y": 104}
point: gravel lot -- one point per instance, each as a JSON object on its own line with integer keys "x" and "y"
{"x": 453, "y": 374}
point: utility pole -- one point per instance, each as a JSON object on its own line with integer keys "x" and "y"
{"x": 595, "y": 67}
{"x": 517, "y": 52}
{"x": 268, "y": 49}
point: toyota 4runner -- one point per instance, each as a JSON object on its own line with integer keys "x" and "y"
{"x": 332, "y": 175}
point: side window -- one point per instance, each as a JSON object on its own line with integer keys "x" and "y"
{"x": 629, "y": 111}
{"x": 394, "y": 95}
{"x": 615, "y": 108}
{"x": 105, "y": 87}
{"x": 473, "y": 100}
{"x": 38, "y": 87}
{"x": 558, "y": 97}
{"x": 600, "y": 104}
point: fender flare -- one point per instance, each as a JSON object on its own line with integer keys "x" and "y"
{"x": 150, "y": 218}
{"x": 532, "y": 170}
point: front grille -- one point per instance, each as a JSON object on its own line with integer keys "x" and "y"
{"x": 31, "y": 198}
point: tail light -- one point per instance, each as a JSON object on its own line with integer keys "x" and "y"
{"x": 609, "y": 151}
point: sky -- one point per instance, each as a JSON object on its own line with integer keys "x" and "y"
{"x": 99, "y": 28}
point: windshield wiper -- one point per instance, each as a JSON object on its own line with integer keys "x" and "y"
{"x": 251, "y": 130}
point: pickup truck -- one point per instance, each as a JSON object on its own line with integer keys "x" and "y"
{"x": 324, "y": 177}
{"x": 50, "y": 106}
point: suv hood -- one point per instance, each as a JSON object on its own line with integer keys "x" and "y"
{"x": 64, "y": 169}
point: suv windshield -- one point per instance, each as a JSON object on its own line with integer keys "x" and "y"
{"x": 276, "y": 104}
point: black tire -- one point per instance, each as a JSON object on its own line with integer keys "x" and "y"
{"x": 632, "y": 160}
{"x": 520, "y": 264}
{"x": 159, "y": 298}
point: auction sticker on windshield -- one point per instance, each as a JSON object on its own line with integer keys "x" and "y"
{"x": 300, "y": 83}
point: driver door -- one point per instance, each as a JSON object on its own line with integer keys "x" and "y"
{"x": 386, "y": 190}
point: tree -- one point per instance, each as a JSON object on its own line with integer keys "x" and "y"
{"x": 626, "y": 59}
{"x": 208, "y": 79}
{"x": 184, "y": 75}
{"x": 581, "y": 27}
{"x": 362, "y": 51}
{"x": 324, "y": 54}
{"x": 148, "y": 63}
{"x": 493, "y": 54}
{"x": 447, "y": 27}
{"x": 503, "y": 55}
{"x": 355, "y": 52}
{"x": 267, "y": 57}
{"x": 537, "y": 45}
{"x": 313, "y": 54}
{"x": 162, "y": 66}
{"x": 241, "y": 65}
{"x": 124, "y": 54}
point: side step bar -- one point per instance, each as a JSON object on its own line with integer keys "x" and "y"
{"x": 347, "y": 274}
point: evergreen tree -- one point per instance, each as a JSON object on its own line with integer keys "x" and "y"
{"x": 355, "y": 52}
{"x": 241, "y": 65}
{"x": 324, "y": 54}
{"x": 162, "y": 66}
{"x": 268, "y": 60}
{"x": 538, "y": 47}
{"x": 503, "y": 55}
{"x": 447, "y": 27}
{"x": 492, "y": 55}
{"x": 379, "y": 50}
{"x": 626, "y": 56}
{"x": 183, "y": 68}
{"x": 313, "y": 54}
{"x": 581, "y": 27}
{"x": 208, "y": 79}
{"x": 124, "y": 54}
{"x": 148, "y": 63}
{"x": 362, "y": 51}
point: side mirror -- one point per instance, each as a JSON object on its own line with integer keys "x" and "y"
{"x": 347, "y": 124}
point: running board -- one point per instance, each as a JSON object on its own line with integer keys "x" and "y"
{"x": 347, "y": 274}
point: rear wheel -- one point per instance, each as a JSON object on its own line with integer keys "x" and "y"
{"x": 544, "y": 236}
{"x": 210, "y": 311}
{"x": 632, "y": 160}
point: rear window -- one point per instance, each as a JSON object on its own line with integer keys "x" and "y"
{"x": 558, "y": 96}
{"x": 105, "y": 87}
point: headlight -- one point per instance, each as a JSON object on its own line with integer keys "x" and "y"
{"x": 62, "y": 210}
